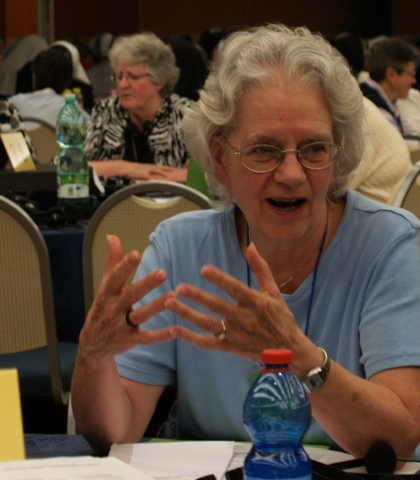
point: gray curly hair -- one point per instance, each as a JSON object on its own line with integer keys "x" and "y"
{"x": 149, "y": 48}
{"x": 249, "y": 59}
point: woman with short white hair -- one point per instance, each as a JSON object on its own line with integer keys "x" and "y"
{"x": 292, "y": 259}
{"x": 137, "y": 132}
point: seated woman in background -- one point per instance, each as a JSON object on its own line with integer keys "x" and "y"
{"x": 137, "y": 132}
{"x": 293, "y": 260}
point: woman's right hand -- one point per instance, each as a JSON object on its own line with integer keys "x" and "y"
{"x": 106, "y": 332}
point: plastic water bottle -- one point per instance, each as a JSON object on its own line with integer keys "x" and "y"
{"x": 79, "y": 96}
{"x": 277, "y": 414}
{"x": 72, "y": 162}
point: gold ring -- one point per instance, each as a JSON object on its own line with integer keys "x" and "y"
{"x": 128, "y": 321}
{"x": 222, "y": 334}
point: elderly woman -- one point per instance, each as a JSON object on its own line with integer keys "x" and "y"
{"x": 292, "y": 260}
{"x": 137, "y": 133}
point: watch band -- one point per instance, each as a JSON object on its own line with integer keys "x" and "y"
{"x": 317, "y": 376}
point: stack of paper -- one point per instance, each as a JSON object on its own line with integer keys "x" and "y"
{"x": 184, "y": 460}
{"x": 70, "y": 468}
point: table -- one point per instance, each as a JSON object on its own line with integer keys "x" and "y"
{"x": 65, "y": 251}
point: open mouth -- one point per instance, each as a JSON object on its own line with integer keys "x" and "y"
{"x": 286, "y": 205}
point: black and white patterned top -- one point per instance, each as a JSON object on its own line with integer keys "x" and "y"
{"x": 9, "y": 116}
{"x": 105, "y": 138}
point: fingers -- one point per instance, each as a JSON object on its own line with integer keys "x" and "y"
{"x": 118, "y": 268}
{"x": 262, "y": 272}
{"x": 205, "y": 322}
{"x": 115, "y": 252}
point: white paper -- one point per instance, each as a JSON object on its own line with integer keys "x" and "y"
{"x": 180, "y": 460}
{"x": 70, "y": 468}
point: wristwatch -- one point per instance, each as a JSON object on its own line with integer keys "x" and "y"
{"x": 317, "y": 376}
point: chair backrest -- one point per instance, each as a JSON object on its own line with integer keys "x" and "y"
{"x": 414, "y": 154}
{"x": 132, "y": 213}
{"x": 43, "y": 137}
{"x": 408, "y": 196}
{"x": 27, "y": 319}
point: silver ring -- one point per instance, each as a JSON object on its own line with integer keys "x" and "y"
{"x": 222, "y": 334}
{"x": 128, "y": 321}
{"x": 152, "y": 171}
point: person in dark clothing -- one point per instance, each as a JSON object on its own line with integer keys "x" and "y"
{"x": 193, "y": 71}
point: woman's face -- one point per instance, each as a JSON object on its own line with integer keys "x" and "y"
{"x": 289, "y": 203}
{"x": 135, "y": 88}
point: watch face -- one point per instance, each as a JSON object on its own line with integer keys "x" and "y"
{"x": 315, "y": 379}
{"x": 314, "y": 382}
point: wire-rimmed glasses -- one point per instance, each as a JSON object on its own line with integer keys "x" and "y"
{"x": 129, "y": 76}
{"x": 266, "y": 158}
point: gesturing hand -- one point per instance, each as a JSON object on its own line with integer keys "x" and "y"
{"x": 257, "y": 320}
{"x": 106, "y": 331}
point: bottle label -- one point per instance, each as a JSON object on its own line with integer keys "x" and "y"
{"x": 73, "y": 190}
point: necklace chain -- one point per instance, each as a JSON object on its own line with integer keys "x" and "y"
{"x": 300, "y": 269}
{"x": 317, "y": 249}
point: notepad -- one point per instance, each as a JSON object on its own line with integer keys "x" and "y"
{"x": 180, "y": 460}
{"x": 16, "y": 150}
{"x": 12, "y": 443}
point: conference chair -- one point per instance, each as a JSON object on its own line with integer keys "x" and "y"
{"x": 408, "y": 196}
{"x": 132, "y": 213}
{"x": 414, "y": 154}
{"x": 43, "y": 137}
{"x": 28, "y": 338}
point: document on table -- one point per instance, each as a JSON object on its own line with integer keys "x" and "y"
{"x": 180, "y": 460}
{"x": 70, "y": 468}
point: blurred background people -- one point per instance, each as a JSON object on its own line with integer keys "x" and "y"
{"x": 100, "y": 73}
{"x": 191, "y": 64}
{"x": 210, "y": 39}
{"x": 137, "y": 132}
{"x": 410, "y": 108}
{"x": 386, "y": 157}
{"x": 16, "y": 55}
{"x": 80, "y": 78}
{"x": 52, "y": 71}
{"x": 353, "y": 49}
{"x": 385, "y": 160}
{"x": 392, "y": 72}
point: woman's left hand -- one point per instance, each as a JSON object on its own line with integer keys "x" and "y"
{"x": 258, "y": 320}
{"x": 163, "y": 172}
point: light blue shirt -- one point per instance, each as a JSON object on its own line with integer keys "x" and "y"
{"x": 44, "y": 104}
{"x": 365, "y": 311}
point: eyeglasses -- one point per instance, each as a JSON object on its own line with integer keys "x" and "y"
{"x": 400, "y": 70}
{"x": 266, "y": 158}
{"x": 129, "y": 76}
{"x": 410, "y": 72}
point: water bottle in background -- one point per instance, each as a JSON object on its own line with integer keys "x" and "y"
{"x": 79, "y": 96}
{"x": 277, "y": 414}
{"x": 72, "y": 162}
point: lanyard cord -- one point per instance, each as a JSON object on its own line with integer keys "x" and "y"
{"x": 318, "y": 258}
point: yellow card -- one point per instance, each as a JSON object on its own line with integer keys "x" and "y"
{"x": 18, "y": 152}
{"x": 12, "y": 443}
